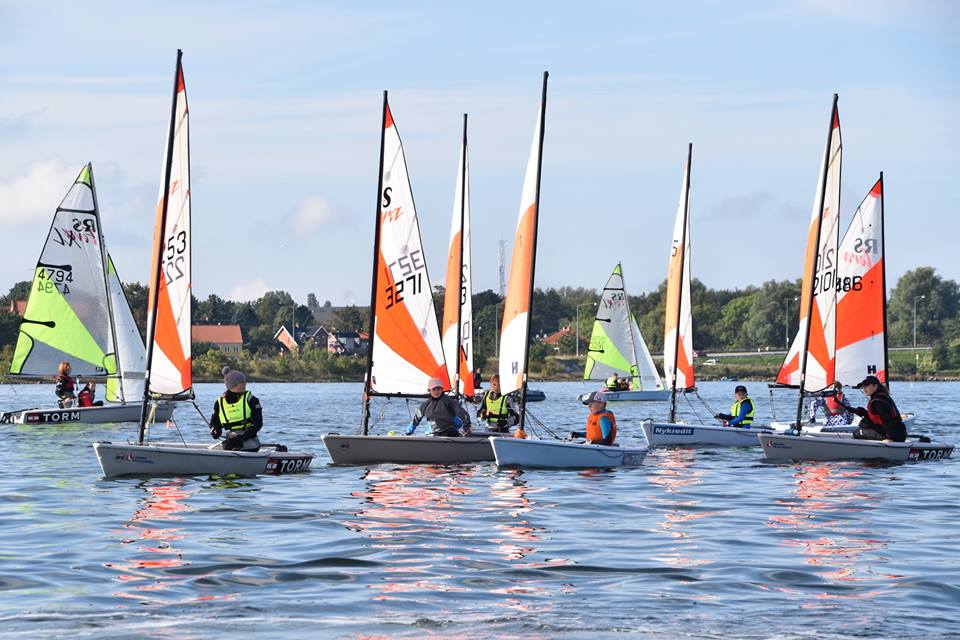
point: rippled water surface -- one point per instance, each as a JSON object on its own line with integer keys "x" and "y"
{"x": 695, "y": 543}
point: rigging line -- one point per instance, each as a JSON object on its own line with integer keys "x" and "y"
{"x": 202, "y": 417}
{"x": 692, "y": 408}
{"x": 705, "y": 403}
{"x": 542, "y": 425}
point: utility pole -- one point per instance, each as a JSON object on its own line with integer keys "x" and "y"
{"x": 501, "y": 254}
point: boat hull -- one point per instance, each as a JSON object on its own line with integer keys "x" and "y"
{"x": 821, "y": 427}
{"x": 842, "y": 446}
{"x": 547, "y": 454}
{"x": 655, "y": 395}
{"x": 359, "y": 449}
{"x": 666, "y": 434}
{"x": 107, "y": 413}
{"x": 192, "y": 459}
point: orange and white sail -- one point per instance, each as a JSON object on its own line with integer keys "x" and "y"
{"x": 678, "y": 324}
{"x": 819, "y": 279}
{"x": 406, "y": 347}
{"x": 169, "y": 307}
{"x": 457, "y": 304}
{"x": 861, "y": 296}
{"x": 514, "y": 338}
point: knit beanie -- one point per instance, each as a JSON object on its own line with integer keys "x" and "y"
{"x": 232, "y": 377}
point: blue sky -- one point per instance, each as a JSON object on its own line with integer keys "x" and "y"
{"x": 285, "y": 108}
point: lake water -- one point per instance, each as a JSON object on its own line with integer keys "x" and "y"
{"x": 695, "y": 543}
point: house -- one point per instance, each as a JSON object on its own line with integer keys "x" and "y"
{"x": 348, "y": 342}
{"x": 554, "y": 339}
{"x": 318, "y": 335}
{"x": 286, "y": 339}
{"x": 226, "y": 337}
{"x": 18, "y": 307}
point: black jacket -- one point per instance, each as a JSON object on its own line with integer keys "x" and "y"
{"x": 440, "y": 411}
{"x": 256, "y": 415}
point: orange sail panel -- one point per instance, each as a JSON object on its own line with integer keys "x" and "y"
{"x": 406, "y": 347}
{"x": 678, "y": 319}
{"x": 168, "y": 332}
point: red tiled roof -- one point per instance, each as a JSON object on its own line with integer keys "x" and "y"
{"x": 217, "y": 333}
{"x": 554, "y": 338}
{"x": 18, "y": 307}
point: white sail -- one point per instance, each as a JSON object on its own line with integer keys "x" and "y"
{"x": 861, "y": 299}
{"x": 131, "y": 354}
{"x": 514, "y": 339}
{"x": 649, "y": 376}
{"x": 67, "y": 317}
{"x": 169, "y": 322}
{"x": 406, "y": 347}
{"x": 678, "y": 350}
{"x": 458, "y": 305}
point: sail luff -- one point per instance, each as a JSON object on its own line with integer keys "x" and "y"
{"x": 106, "y": 287}
{"x": 808, "y": 295}
{"x": 374, "y": 272}
{"x": 883, "y": 281}
{"x": 678, "y": 294}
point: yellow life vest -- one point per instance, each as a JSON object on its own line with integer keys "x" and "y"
{"x": 495, "y": 409}
{"x": 235, "y": 416}
{"x": 735, "y": 410}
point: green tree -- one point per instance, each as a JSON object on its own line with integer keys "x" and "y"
{"x": 350, "y": 319}
{"x": 937, "y": 301}
{"x": 19, "y": 291}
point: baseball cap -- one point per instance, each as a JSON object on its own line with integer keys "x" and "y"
{"x": 434, "y": 382}
{"x": 866, "y": 381}
{"x": 740, "y": 389}
{"x": 595, "y": 396}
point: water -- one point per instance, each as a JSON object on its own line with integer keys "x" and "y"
{"x": 695, "y": 543}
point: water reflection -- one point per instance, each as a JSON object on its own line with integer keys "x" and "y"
{"x": 676, "y": 473}
{"x": 826, "y": 513}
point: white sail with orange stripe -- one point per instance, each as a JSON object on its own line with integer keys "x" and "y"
{"x": 405, "y": 346}
{"x": 514, "y": 335}
{"x": 810, "y": 363}
{"x": 458, "y": 307}
{"x": 678, "y": 323}
{"x": 861, "y": 296}
{"x": 169, "y": 304}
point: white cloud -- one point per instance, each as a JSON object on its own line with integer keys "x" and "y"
{"x": 314, "y": 212}
{"x": 246, "y": 291}
{"x": 33, "y": 196}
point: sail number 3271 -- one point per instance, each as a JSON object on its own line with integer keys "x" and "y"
{"x": 407, "y": 271}
{"x": 173, "y": 258}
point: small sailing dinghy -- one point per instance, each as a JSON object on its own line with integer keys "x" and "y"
{"x": 168, "y": 374}
{"x": 617, "y": 348}
{"x": 860, "y": 335}
{"x": 678, "y": 345}
{"x": 515, "y": 343}
{"x": 77, "y": 312}
{"x": 405, "y": 347}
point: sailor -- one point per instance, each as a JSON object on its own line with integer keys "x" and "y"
{"x": 64, "y": 390}
{"x": 601, "y": 424}
{"x": 497, "y": 409}
{"x": 444, "y": 413}
{"x": 833, "y": 404}
{"x": 477, "y": 379}
{"x": 613, "y": 383}
{"x": 741, "y": 411}
{"x": 88, "y": 396}
{"x": 881, "y": 418}
{"x": 238, "y": 413}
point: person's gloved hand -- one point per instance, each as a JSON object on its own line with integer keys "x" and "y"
{"x": 457, "y": 421}
{"x": 860, "y": 411}
{"x": 215, "y": 432}
{"x": 410, "y": 429}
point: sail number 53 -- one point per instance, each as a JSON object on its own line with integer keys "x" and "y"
{"x": 173, "y": 258}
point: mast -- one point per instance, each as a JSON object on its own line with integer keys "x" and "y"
{"x": 533, "y": 261}
{"x": 373, "y": 281}
{"x": 463, "y": 200}
{"x": 815, "y": 263}
{"x": 106, "y": 283}
{"x": 683, "y": 257}
{"x": 635, "y": 364}
{"x": 155, "y": 276}
{"x": 883, "y": 281}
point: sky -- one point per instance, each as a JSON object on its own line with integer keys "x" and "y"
{"x": 285, "y": 102}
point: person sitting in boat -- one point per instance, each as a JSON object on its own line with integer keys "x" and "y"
{"x": 88, "y": 396}
{"x": 64, "y": 389}
{"x": 881, "y": 418}
{"x": 613, "y": 383}
{"x": 477, "y": 379}
{"x": 741, "y": 411}
{"x": 601, "y": 424}
{"x": 497, "y": 409}
{"x": 833, "y": 404}
{"x": 238, "y": 413}
{"x": 445, "y": 414}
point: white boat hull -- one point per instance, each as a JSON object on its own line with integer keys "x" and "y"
{"x": 655, "y": 395}
{"x": 192, "y": 459}
{"x": 107, "y": 413}
{"x": 821, "y": 427}
{"x": 550, "y": 454}
{"x": 842, "y": 446}
{"x": 359, "y": 449}
{"x": 665, "y": 434}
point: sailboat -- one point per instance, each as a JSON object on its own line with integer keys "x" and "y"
{"x": 168, "y": 373}
{"x": 861, "y": 312}
{"x": 861, "y": 349}
{"x": 678, "y": 344}
{"x": 77, "y": 312}
{"x": 617, "y": 347}
{"x": 405, "y": 346}
{"x": 515, "y": 342}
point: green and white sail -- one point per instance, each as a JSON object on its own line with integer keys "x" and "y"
{"x": 68, "y": 315}
{"x": 616, "y": 344}
{"x": 131, "y": 353}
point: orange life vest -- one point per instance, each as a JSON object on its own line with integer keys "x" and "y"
{"x": 595, "y": 433}
{"x": 833, "y": 404}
